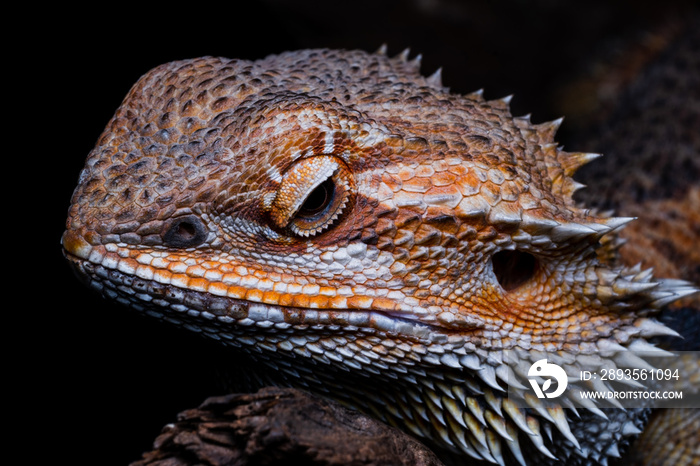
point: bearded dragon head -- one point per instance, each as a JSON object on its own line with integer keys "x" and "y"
{"x": 364, "y": 233}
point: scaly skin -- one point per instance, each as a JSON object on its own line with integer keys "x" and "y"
{"x": 367, "y": 235}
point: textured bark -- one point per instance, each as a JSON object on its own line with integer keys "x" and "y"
{"x": 281, "y": 426}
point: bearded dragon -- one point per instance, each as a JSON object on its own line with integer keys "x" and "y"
{"x": 363, "y": 233}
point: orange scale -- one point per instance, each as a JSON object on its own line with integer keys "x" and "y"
{"x": 180, "y": 280}
{"x": 237, "y": 292}
{"x": 218, "y": 288}
{"x": 162, "y": 276}
{"x": 286, "y": 300}
{"x": 384, "y": 304}
{"x": 301, "y": 301}
{"x": 319, "y": 302}
{"x": 271, "y": 297}
{"x": 254, "y": 295}
{"x": 359, "y": 302}
{"x": 339, "y": 302}
{"x": 198, "y": 284}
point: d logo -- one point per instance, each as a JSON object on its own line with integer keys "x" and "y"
{"x": 542, "y": 368}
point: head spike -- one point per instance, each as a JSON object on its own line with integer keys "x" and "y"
{"x": 617, "y": 222}
{"x": 416, "y": 61}
{"x": 403, "y": 56}
{"x": 435, "y": 79}
{"x": 503, "y": 102}
{"x": 568, "y": 231}
{"x": 381, "y": 50}
{"x": 477, "y": 95}
{"x": 537, "y": 225}
{"x": 576, "y": 160}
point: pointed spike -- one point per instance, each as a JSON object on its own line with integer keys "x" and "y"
{"x": 381, "y": 50}
{"x": 536, "y": 438}
{"x": 524, "y": 118}
{"x": 555, "y": 124}
{"x": 470, "y": 361}
{"x": 475, "y": 388}
{"x": 476, "y": 429}
{"x": 665, "y": 297}
{"x": 477, "y": 95}
{"x": 475, "y": 408}
{"x": 495, "y": 447}
{"x": 417, "y": 61}
{"x": 548, "y": 129}
{"x": 459, "y": 394}
{"x": 678, "y": 288}
{"x": 505, "y": 373}
{"x": 455, "y": 411}
{"x": 488, "y": 375}
{"x": 562, "y": 424}
{"x": 459, "y": 435}
{"x": 629, "y": 429}
{"x": 613, "y": 451}
{"x": 643, "y": 346}
{"x": 514, "y": 445}
{"x": 517, "y": 414}
{"x": 403, "y": 56}
{"x": 493, "y": 401}
{"x": 444, "y": 435}
{"x": 607, "y": 347}
{"x": 498, "y": 423}
{"x": 536, "y": 225}
{"x": 614, "y": 223}
{"x": 591, "y": 406}
{"x": 573, "y": 186}
{"x": 435, "y": 79}
{"x": 482, "y": 449}
{"x": 548, "y": 430}
{"x": 650, "y": 328}
{"x": 503, "y": 102}
{"x": 628, "y": 288}
{"x": 434, "y": 403}
{"x": 568, "y": 231}
{"x": 576, "y": 160}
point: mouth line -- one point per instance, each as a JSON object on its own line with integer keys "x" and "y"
{"x": 166, "y": 300}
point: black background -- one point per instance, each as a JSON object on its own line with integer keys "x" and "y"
{"x": 92, "y": 382}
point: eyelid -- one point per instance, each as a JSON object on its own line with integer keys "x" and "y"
{"x": 298, "y": 184}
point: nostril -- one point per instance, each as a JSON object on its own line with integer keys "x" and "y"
{"x": 513, "y": 268}
{"x": 185, "y": 232}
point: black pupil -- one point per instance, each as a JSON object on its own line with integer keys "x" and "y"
{"x": 318, "y": 200}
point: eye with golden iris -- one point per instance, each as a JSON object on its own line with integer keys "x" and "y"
{"x": 312, "y": 195}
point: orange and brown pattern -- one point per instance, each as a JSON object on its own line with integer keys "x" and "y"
{"x": 364, "y": 233}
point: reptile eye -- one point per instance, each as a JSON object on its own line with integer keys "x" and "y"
{"x": 318, "y": 201}
{"x": 312, "y": 196}
{"x": 185, "y": 232}
{"x": 513, "y": 268}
